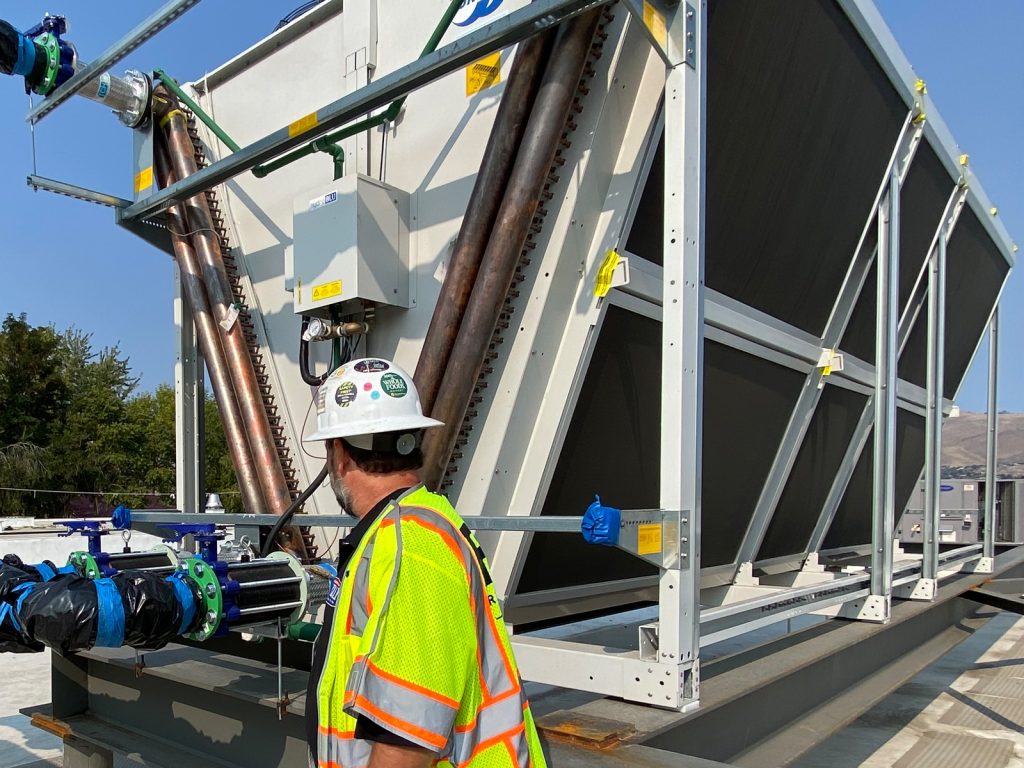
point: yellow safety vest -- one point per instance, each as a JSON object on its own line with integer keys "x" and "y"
{"x": 418, "y": 645}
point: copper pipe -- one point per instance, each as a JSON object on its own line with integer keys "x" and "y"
{"x": 209, "y": 343}
{"x": 506, "y": 134}
{"x": 508, "y": 236}
{"x": 206, "y": 241}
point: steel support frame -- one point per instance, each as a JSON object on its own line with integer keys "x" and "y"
{"x": 898, "y": 167}
{"x": 189, "y": 406}
{"x": 950, "y": 217}
{"x": 991, "y": 447}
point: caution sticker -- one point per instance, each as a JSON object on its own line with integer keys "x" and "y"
{"x": 654, "y": 20}
{"x": 303, "y": 124}
{"x": 345, "y": 394}
{"x": 326, "y": 290}
{"x": 648, "y": 539}
{"x": 482, "y": 74}
{"x": 144, "y": 179}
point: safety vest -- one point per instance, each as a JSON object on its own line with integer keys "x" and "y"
{"x": 418, "y": 645}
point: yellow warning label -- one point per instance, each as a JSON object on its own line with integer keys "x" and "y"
{"x": 144, "y": 179}
{"x": 648, "y": 539}
{"x": 604, "y": 274}
{"x": 303, "y": 124}
{"x": 654, "y": 20}
{"x": 482, "y": 74}
{"x": 327, "y": 290}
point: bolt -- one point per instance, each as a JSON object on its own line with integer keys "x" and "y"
{"x": 211, "y": 590}
{"x": 199, "y": 569}
{"x": 91, "y": 573}
{"x": 211, "y": 617}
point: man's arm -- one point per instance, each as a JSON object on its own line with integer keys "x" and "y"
{"x": 391, "y": 756}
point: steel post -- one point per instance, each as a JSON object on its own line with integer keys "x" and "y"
{"x": 883, "y": 502}
{"x": 992, "y": 444}
{"x": 189, "y": 401}
{"x": 933, "y": 423}
{"x": 682, "y": 366}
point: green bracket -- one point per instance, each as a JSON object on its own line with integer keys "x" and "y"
{"x": 212, "y": 606}
{"x": 85, "y": 564}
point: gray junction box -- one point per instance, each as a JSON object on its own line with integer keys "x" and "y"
{"x": 351, "y": 242}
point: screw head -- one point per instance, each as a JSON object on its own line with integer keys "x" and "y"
{"x": 211, "y": 617}
{"x": 211, "y": 590}
{"x": 199, "y": 569}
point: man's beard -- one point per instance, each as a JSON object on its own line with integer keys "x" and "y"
{"x": 342, "y": 494}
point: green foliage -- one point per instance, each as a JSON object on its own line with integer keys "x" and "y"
{"x": 70, "y": 420}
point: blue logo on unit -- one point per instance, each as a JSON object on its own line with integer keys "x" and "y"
{"x": 945, "y": 487}
{"x": 474, "y": 10}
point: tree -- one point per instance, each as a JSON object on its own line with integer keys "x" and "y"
{"x": 33, "y": 393}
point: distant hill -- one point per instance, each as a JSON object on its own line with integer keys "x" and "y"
{"x": 963, "y": 446}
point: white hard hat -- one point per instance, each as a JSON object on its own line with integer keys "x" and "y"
{"x": 368, "y": 397}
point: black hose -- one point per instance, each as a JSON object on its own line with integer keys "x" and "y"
{"x": 289, "y": 513}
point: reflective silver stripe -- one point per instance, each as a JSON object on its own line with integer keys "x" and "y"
{"x": 338, "y": 752}
{"x": 419, "y": 710}
{"x": 360, "y": 591}
{"x": 492, "y": 721}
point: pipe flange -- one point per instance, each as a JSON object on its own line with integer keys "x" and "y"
{"x": 51, "y": 47}
{"x": 85, "y": 565}
{"x": 211, "y": 607}
{"x": 136, "y": 115}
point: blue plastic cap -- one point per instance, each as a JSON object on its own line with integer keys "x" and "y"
{"x": 121, "y": 518}
{"x": 601, "y": 524}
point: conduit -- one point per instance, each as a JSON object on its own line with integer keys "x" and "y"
{"x": 511, "y": 227}
{"x": 464, "y": 264}
{"x": 210, "y": 345}
{"x": 174, "y": 129}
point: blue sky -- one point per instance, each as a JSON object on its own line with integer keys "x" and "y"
{"x": 65, "y": 262}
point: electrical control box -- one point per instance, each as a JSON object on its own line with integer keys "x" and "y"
{"x": 351, "y": 242}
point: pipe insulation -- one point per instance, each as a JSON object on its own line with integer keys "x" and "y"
{"x": 464, "y": 263}
{"x": 508, "y": 236}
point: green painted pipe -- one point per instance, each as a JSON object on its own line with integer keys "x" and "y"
{"x": 303, "y": 630}
{"x": 326, "y": 143}
{"x": 198, "y": 111}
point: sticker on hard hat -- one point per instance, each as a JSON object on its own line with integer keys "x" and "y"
{"x": 321, "y": 399}
{"x": 393, "y": 385}
{"x": 371, "y": 366}
{"x": 345, "y": 393}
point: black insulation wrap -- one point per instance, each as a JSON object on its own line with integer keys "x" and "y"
{"x": 61, "y": 614}
{"x": 271, "y": 594}
{"x": 131, "y": 561}
{"x": 14, "y": 576}
{"x": 153, "y": 613}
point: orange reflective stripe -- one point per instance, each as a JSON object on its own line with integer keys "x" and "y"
{"x": 337, "y": 733}
{"x": 438, "y": 697}
{"x": 434, "y": 739}
{"x": 511, "y": 752}
{"x": 488, "y": 743}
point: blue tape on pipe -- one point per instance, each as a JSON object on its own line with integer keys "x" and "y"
{"x": 110, "y": 623}
{"x": 187, "y": 600}
{"x": 26, "y": 56}
{"x": 601, "y": 524}
{"x": 45, "y": 571}
{"x": 64, "y": 569}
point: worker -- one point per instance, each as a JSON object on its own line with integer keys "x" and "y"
{"x": 413, "y": 666}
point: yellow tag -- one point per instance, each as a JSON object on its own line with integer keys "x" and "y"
{"x": 303, "y": 124}
{"x": 144, "y": 179}
{"x": 327, "y": 290}
{"x": 648, "y": 539}
{"x": 482, "y": 74}
{"x": 655, "y": 23}
{"x": 604, "y": 274}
